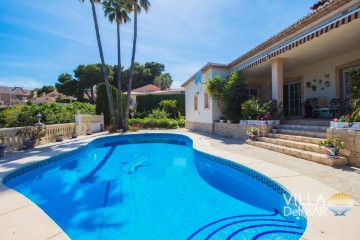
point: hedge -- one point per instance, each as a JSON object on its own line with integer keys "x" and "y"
{"x": 52, "y": 113}
{"x": 153, "y": 123}
{"x": 148, "y": 102}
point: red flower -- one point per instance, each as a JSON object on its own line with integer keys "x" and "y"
{"x": 334, "y": 119}
{"x": 257, "y": 117}
{"x": 347, "y": 115}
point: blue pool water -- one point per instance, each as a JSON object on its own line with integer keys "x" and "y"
{"x": 155, "y": 186}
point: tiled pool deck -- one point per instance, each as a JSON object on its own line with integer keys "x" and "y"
{"x": 21, "y": 219}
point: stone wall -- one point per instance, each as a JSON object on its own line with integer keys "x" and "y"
{"x": 202, "y": 127}
{"x": 239, "y": 130}
{"x": 351, "y": 139}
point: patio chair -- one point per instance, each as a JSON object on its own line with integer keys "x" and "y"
{"x": 314, "y": 106}
{"x": 323, "y": 107}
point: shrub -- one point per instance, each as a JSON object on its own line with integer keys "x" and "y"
{"x": 181, "y": 122}
{"x": 52, "y": 113}
{"x": 254, "y": 108}
{"x": 158, "y": 114}
{"x": 102, "y": 104}
{"x": 152, "y": 123}
{"x": 146, "y": 103}
{"x": 229, "y": 94}
{"x": 170, "y": 106}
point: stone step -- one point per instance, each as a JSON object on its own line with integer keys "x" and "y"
{"x": 314, "y": 134}
{"x": 307, "y": 122}
{"x": 310, "y": 156}
{"x": 294, "y": 144}
{"x": 303, "y": 127}
{"x": 304, "y": 139}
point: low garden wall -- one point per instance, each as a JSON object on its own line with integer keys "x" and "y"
{"x": 202, "y": 127}
{"x": 351, "y": 139}
{"x": 14, "y": 141}
{"x": 95, "y": 123}
{"x": 239, "y": 130}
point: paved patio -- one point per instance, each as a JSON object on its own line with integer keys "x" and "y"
{"x": 344, "y": 179}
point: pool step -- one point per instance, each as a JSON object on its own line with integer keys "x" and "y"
{"x": 307, "y": 155}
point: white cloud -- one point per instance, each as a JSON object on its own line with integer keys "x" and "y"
{"x": 19, "y": 81}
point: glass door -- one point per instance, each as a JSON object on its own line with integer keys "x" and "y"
{"x": 292, "y": 99}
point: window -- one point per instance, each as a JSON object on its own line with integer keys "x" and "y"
{"x": 196, "y": 102}
{"x": 206, "y": 100}
{"x": 346, "y": 78}
{"x": 251, "y": 92}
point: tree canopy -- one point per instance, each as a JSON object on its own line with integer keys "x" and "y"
{"x": 163, "y": 81}
{"x": 229, "y": 94}
{"x": 86, "y": 77}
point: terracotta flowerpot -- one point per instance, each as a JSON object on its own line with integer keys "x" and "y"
{"x": 252, "y": 137}
{"x": 60, "y": 138}
{"x": 30, "y": 143}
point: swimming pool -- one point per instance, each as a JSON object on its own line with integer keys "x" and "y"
{"x": 155, "y": 186}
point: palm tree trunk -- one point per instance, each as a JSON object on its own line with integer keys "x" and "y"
{"x": 120, "y": 125}
{"x": 127, "y": 106}
{"x": 103, "y": 67}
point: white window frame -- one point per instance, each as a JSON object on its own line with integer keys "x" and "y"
{"x": 248, "y": 89}
{"x": 196, "y": 102}
{"x": 206, "y": 100}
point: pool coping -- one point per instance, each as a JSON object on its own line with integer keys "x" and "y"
{"x": 17, "y": 213}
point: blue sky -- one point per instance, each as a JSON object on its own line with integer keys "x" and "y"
{"x": 41, "y": 39}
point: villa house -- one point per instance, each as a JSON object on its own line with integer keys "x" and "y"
{"x": 309, "y": 59}
{"x": 10, "y": 96}
{"x": 151, "y": 89}
{"x": 306, "y": 64}
{"x": 51, "y": 97}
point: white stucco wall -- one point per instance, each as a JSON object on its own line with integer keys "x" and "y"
{"x": 318, "y": 70}
{"x": 202, "y": 114}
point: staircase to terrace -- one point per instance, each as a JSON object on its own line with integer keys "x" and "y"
{"x": 300, "y": 138}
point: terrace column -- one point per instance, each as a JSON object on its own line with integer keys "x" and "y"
{"x": 277, "y": 79}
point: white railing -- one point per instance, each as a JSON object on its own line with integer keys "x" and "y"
{"x": 14, "y": 141}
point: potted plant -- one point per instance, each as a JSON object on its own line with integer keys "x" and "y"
{"x": 222, "y": 119}
{"x": 59, "y": 136}
{"x": 332, "y": 146}
{"x": 74, "y": 133}
{"x": 356, "y": 122}
{"x": 253, "y": 132}
{"x": 274, "y": 129}
{"x": 32, "y": 134}
{"x": 341, "y": 122}
{"x": 2, "y": 146}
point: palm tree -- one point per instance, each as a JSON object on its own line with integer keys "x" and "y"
{"x": 103, "y": 66}
{"x": 116, "y": 10}
{"x": 137, "y": 5}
